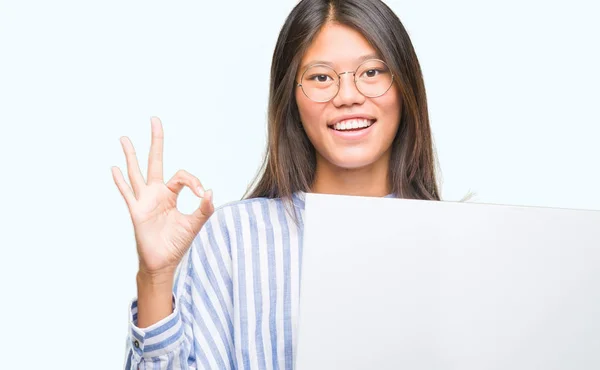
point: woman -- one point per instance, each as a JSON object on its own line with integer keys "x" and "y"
{"x": 347, "y": 115}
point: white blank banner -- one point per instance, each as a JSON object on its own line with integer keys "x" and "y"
{"x": 405, "y": 284}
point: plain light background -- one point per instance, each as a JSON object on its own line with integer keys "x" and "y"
{"x": 513, "y": 91}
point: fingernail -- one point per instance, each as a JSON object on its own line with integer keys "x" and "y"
{"x": 200, "y": 191}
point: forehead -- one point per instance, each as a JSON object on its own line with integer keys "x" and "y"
{"x": 339, "y": 45}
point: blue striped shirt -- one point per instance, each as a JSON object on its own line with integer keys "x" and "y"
{"x": 235, "y": 296}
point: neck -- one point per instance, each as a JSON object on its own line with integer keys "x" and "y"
{"x": 370, "y": 181}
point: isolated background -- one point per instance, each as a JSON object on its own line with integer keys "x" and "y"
{"x": 513, "y": 91}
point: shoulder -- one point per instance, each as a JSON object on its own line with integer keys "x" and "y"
{"x": 238, "y": 215}
{"x": 238, "y": 221}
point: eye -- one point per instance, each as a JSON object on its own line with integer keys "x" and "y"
{"x": 372, "y": 72}
{"x": 320, "y": 78}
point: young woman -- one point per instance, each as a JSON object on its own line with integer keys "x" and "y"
{"x": 347, "y": 115}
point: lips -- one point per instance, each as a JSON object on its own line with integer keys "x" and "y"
{"x": 352, "y": 124}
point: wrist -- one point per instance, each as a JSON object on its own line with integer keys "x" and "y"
{"x": 155, "y": 278}
{"x": 155, "y": 292}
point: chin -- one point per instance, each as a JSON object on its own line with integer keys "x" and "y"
{"x": 353, "y": 162}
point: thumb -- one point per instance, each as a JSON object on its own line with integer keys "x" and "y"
{"x": 204, "y": 211}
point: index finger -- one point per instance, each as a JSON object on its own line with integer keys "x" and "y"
{"x": 155, "y": 158}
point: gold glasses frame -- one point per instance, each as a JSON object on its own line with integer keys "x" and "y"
{"x": 339, "y": 79}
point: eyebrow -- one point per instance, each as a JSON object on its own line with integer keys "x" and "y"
{"x": 358, "y": 60}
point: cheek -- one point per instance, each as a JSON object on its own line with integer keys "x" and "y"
{"x": 310, "y": 113}
{"x": 302, "y": 106}
{"x": 391, "y": 105}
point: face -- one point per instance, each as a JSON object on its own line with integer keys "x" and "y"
{"x": 331, "y": 125}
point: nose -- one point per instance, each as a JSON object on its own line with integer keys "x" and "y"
{"x": 348, "y": 94}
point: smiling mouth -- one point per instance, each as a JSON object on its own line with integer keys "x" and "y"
{"x": 352, "y": 124}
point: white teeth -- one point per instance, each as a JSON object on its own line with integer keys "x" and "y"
{"x": 352, "y": 124}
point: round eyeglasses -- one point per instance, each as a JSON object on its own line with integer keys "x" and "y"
{"x": 321, "y": 83}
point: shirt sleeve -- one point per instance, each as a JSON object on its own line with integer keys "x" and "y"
{"x": 198, "y": 333}
{"x": 158, "y": 345}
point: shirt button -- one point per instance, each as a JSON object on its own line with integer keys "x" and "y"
{"x": 136, "y": 344}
